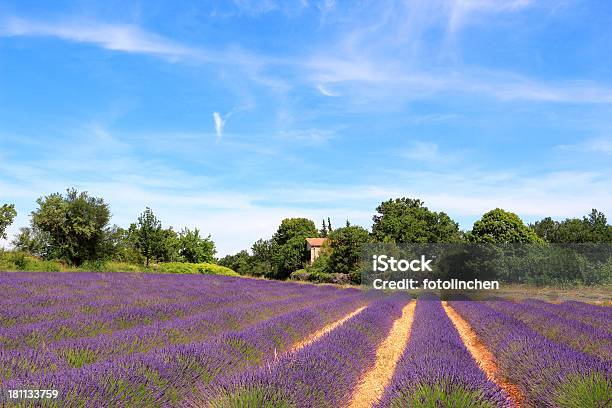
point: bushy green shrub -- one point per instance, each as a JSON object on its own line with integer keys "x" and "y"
{"x": 321, "y": 277}
{"x": 93, "y": 266}
{"x": 21, "y": 261}
{"x": 300, "y": 275}
{"x": 203, "y": 268}
{"x": 123, "y": 267}
{"x": 316, "y": 276}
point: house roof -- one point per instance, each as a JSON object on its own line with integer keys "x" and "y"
{"x": 316, "y": 242}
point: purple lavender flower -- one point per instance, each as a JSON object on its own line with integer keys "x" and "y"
{"x": 436, "y": 369}
{"x": 549, "y": 374}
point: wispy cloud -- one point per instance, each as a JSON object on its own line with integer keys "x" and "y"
{"x": 462, "y": 10}
{"x": 116, "y": 37}
{"x": 423, "y": 152}
{"x": 236, "y": 217}
{"x": 219, "y": 124}
{"x": 366, "y": 63}
{"x": 361, "y": 76}
{"x": 312, "y": 136}
{"x": 598, "y": 145}
{"x": 325, "y": 91}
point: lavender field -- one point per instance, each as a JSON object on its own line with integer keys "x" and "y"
{"x": 146, "y": 340}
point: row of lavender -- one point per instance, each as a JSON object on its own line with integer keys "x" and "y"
{"x": 436, "y": 369}
{"x": 30, "y": 298}
{"x": 202, "y": 307}
{"x": 166, "y": 376}
{"x": 560, "y": 327}
{"x": 549, "y": 373}
{"x": 177, "y": 320}
{"x": 77, "y": 352}
{"x": 596, "y": 316}
{"x": 323, "y": 374}
{"x": 223, "y": 342}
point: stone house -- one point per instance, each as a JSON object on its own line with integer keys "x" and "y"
{"x": 314, "y": 247}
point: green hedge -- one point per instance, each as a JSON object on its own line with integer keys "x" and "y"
{"x": 320, "y": 277}
{"x": 21, "y": 261}
{"x": 193, "y": 268}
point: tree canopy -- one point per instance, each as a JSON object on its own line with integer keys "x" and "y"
{"x": 346, "y": 246}
{"x": 407, "y": 220}
{"x": 591, "y": 228}
{"x": 74, "y": 225}
{"x": 502, "y": 227}
{"x": 7, "y": 215}
{"x": 148, "y": 235}
{"x": 194, "y": 248}
{"x": 289, "y": 245}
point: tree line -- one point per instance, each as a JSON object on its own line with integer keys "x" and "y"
{"x": 401, "y": 220}
{"x": 75, "y": 227}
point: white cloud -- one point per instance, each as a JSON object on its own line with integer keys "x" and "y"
{"x": 462, "y": 10}
{"x": 367, "y": 63}
{"x": 219, "y": 124}
{"x": 374, "y": 78}
{"x": 325, "y": 91}
{"x": 600, "y": 145}
{"x": 237, "y": 217}
{"x": 117, "y": 37}
{"x": 312, "y": 136}
{"x": 423, "y": 152}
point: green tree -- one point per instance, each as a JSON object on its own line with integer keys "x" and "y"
{"x": 324, "y": 229}
{"x": 591, "y": 228}
{"x": 407, "y": 220}
{"x": 32, "y": 241}
{"x": 194, "y": 248}
{"x": 240, "y": 262}
{"x": 122, "y": 242}
{"x": 148, "y": 235}
{"x": 262, "y": 262}
{"x": 502, "y": 227}
{"x": 169, "y": 246}
{"x": 346, "y": 246}
{"x": 599, "y": 230}
{"x": 289, "y": 245}
{"x": 262, "y": 250}
{"x": 547, "y": 229}
{"x": 7, "y": 215}
{"x": 75, "y": 226}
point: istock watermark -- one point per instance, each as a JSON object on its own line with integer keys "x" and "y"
{"x": 482, "y": 267}
{"x": 383, "y": 263}
{"x": 438, "y": 284}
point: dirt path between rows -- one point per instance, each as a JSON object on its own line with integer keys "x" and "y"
{"x": 317, "y": 335}
{"x": 483, "y": 356}
{"x": 372, "y": 386}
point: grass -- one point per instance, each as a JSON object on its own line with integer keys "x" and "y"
{"x": 438, "y": 395}
{"x": 599, "y": 295}
{"x": 251, "y": 398}
{"x": 580, "y": 392}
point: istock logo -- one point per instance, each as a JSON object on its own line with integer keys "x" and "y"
{"x": 383, "y": 263}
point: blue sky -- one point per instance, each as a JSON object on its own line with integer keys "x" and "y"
{"x": 230, "y": 116}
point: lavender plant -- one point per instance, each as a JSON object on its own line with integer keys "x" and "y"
{"x": 549, "y": 374}
{"x": 323, "y": 374}
{"x": 580, "y": 336}
{"x": 436, "y": 369}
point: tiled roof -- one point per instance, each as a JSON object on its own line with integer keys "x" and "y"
{"x": 316, "y": 242}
